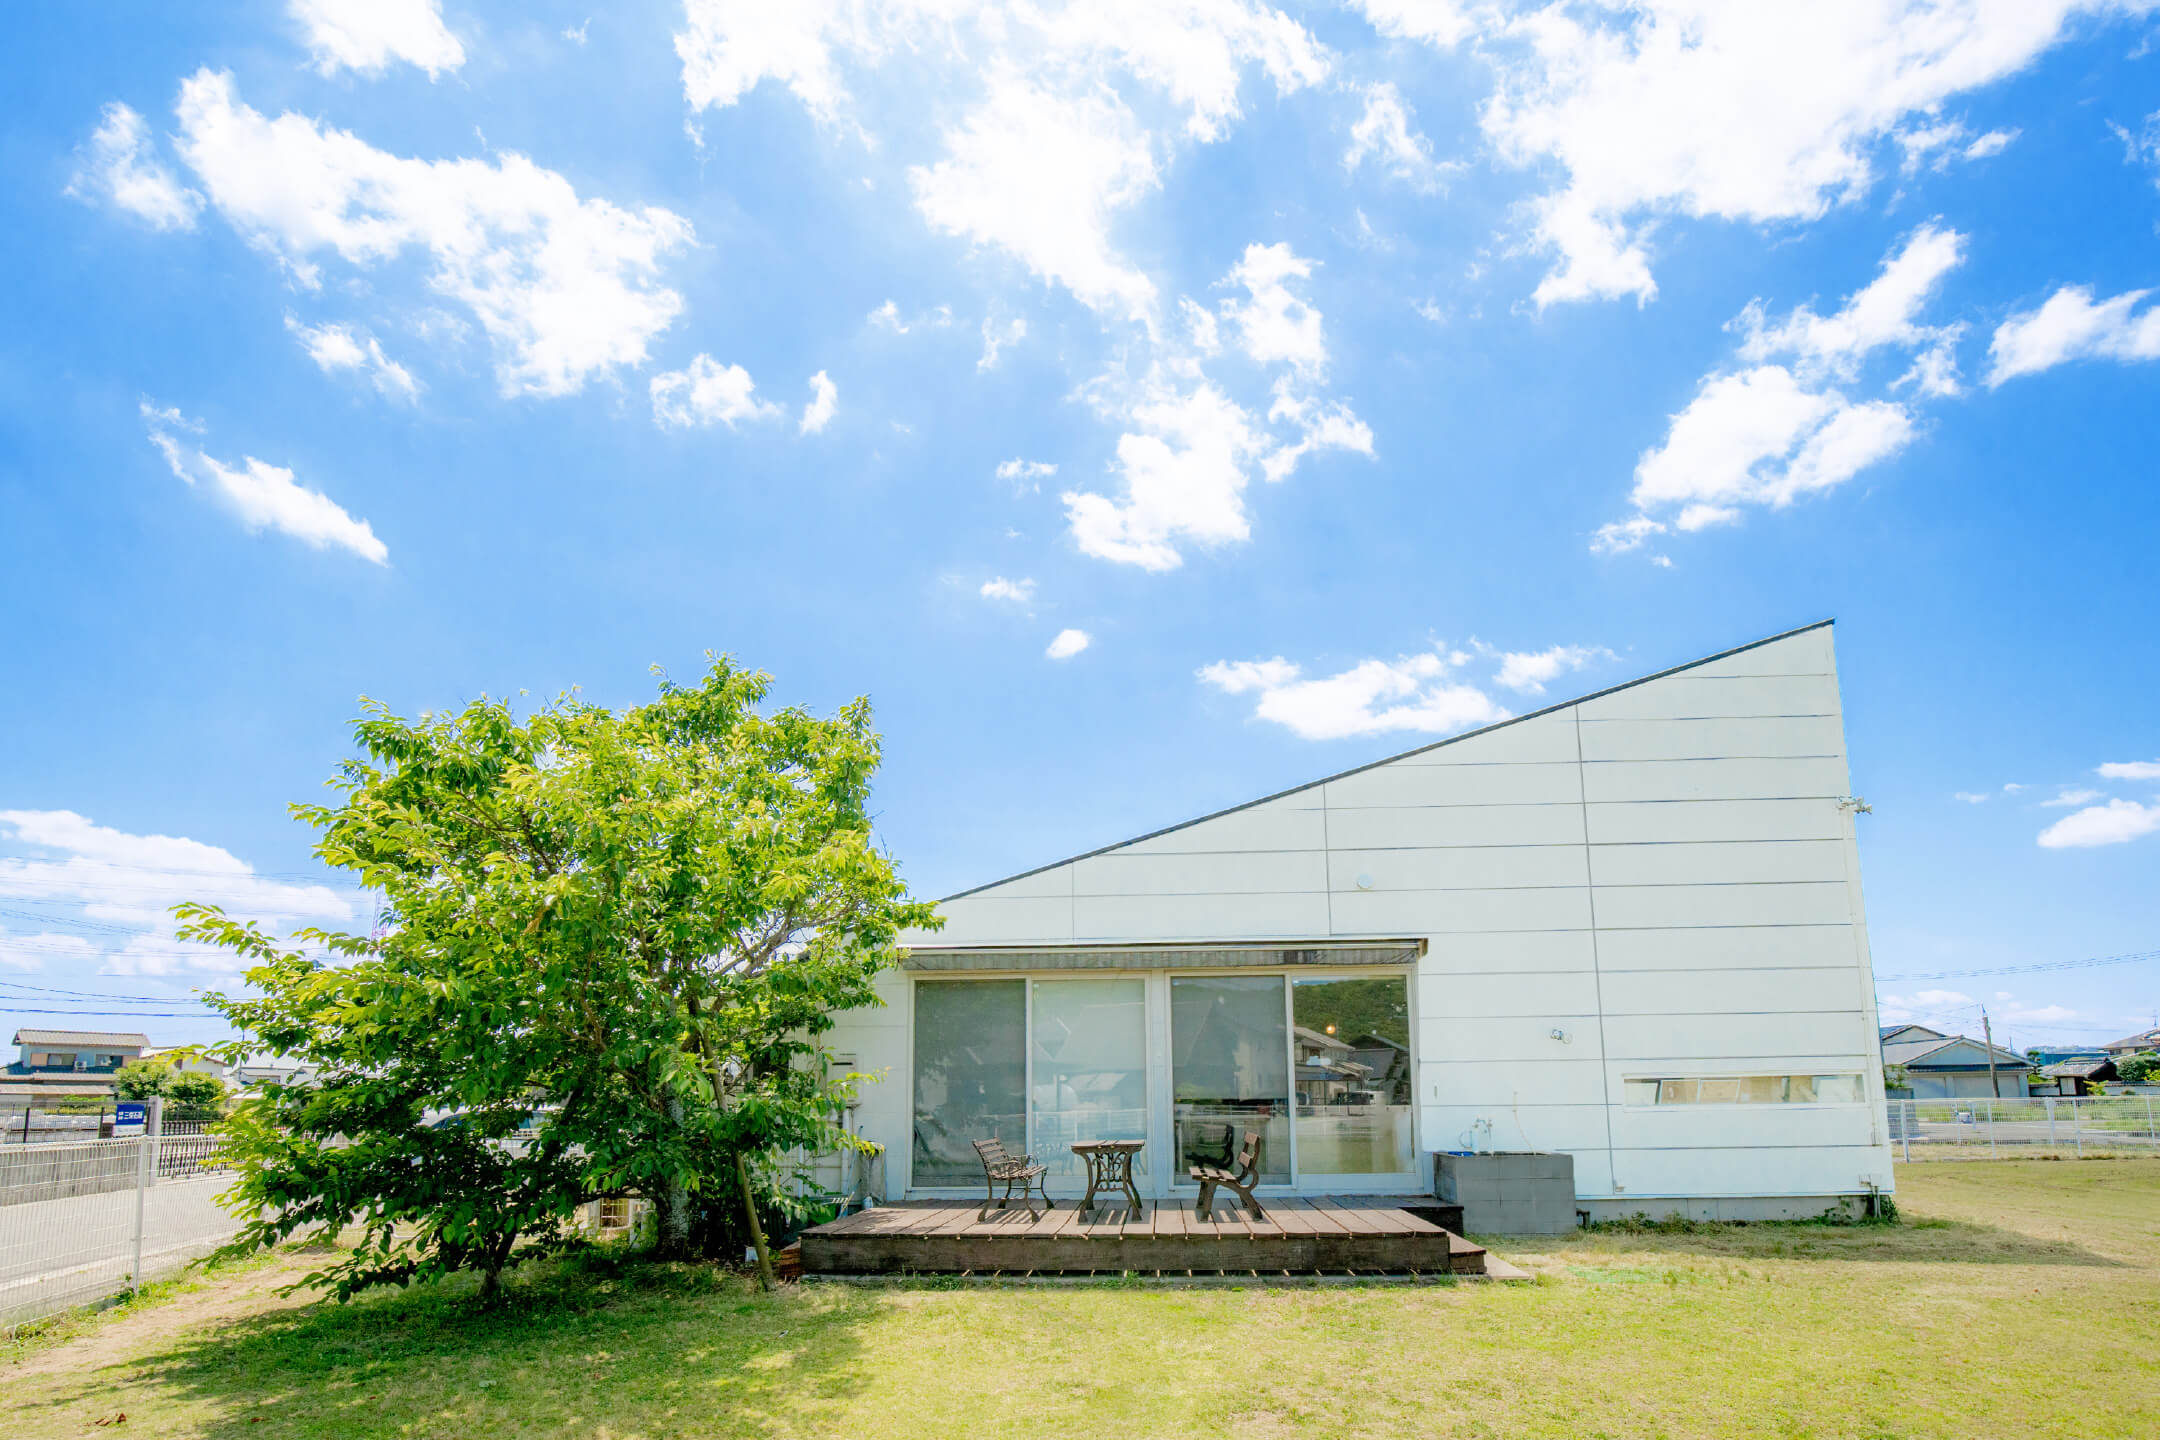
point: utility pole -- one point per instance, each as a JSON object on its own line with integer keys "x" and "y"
{"x": 1987, "y": 1029}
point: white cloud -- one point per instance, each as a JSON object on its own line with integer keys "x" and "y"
{"x": 265, "y": 497}
{"x": 1019, "y": 592}
{"x": 1185, "y": 468}
{"x": 1028, "y": 473}
{"x": 2072, "y": 326}
{"x": 2129, "y": 770}
{"x": 371, "y": 35}
{"x": 1414, "y": 692}
{"x": 1970, "y": 798}
{"x": 887, "y": 317}
{"x": 1276, "y": 326}
{"x": 705, "y": 392}
{"x": 1436, "y": 22}
{"x": 824, "y": 401}
{"x": 996, "y": 337}
{"x": 336, "y": 348}
{"x": 1040, "y": 174}
{"x": 1068, "y": 643}
{"x": 2067, "y": 798}
{"x": 576, "y": 34}
{"x": 1884, "y": 313}
{"x": 1777, "y": 430}
{"x": 1331, "y": 425}
{"x": 115, "y": 880}
{"x": 1992, "y": 143}
{"x": 118, "y": 166}
{"x": 1384, "y": 134}
{"x": 2110, "y": 824}
{"x": 566, "y": 288}
{"x": 1753, "y": 113}
{"x": 1528, "y": 674}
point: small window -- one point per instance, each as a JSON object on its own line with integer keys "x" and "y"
{"x": 1747, "y": 1090}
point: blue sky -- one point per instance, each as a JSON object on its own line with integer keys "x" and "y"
{"x": 1401, "y": 366}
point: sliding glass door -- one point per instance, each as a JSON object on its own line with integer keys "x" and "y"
{"x": 1229, "y": 1071}
{"x": 1352, "y": 1041}
{"x": 970, "y": 1076}
{"x": 1088, "y": 1053}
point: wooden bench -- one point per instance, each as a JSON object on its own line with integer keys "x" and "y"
{"x": 1001, "y": 1164}
{"x": 1242, "y": 1179}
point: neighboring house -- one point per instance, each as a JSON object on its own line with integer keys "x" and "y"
{"x": 180, "y": 1059}
{"x": 1939, "y": 1066}
{"x": 72, "y": 1058}
{"x": 2078, "y": 1077}
{"x": 2043, "y": 1056}
{"x": 268, "y": 1069}
{"x": 2133, "y": 1044}
{"x": 1627, "y": 927}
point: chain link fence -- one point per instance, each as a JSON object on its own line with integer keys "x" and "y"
{"x": 1984, "y": 1128}
{"x": 83, "y": 1221}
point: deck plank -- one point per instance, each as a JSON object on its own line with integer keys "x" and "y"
{"x": 1363, "y": 1219}
{"x": 1324, "y": 1221}
{"x": 1295, "y": 1217}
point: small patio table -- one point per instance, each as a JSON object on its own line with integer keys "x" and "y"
{"x": 1109, "y": 1167}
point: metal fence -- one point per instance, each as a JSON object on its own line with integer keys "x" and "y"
{"x": 1982, "y": 1128}
{"x": 80, "y": 1222}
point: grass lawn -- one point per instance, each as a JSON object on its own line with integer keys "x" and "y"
{"x": 2020, "y": 1298}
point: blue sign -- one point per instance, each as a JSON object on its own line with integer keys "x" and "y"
{"x": 130, "y": 1117}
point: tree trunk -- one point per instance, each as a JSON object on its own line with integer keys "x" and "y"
{"x": 757, "y": 1231}
{"x": 672, "y": 1202}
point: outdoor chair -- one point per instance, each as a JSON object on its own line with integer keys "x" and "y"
{"x": 1000, "y": 1164}
{"x": 1242, "y": 1179}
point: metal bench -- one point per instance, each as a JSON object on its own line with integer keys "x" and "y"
{"x": 1000, "y": 1164}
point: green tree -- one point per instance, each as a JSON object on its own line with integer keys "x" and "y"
{"x": 623, "y": 932}
{"x": 142, "y": 1079}
{"x": 2140, "y": 1069}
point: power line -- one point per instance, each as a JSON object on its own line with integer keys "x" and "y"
{"x": 2024, "y": 969}
{"x": 118, "y": 1014}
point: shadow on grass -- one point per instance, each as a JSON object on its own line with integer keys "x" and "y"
{"x": 1925, "y": 1241}
{"x": 573, "y": 1347}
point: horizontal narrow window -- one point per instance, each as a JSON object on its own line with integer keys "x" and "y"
{"x": 1745, "y": 1090}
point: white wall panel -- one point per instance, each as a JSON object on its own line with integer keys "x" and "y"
{"x": 1254, "y": 872}
{"x": 1734, "y": 862}
{"x": 1690, "y": 697}
{"x": 1629, "y": 907}
{"x": 1727, "y": 948}
{"x": 1520, "y": 1046}
{"x": 1651, "y": 823}
{"x": 1801, "y": 1170}
{"x": 1056, "y": 882}
{"x": 1517, "y": 953}
{"x": 1753, "y": 1044}
{"x": 1388, "y": 785}
{"x": 1501, "y": 867}
{"x": 1288, "y": 824}
{"x": 1356, "y": 828}
{"x": 1782, "y": 735}
{"x": 1548, "y": 738}
{"x": 1515, "y": 1127}
{"x": 984, "y": 920}
{"x": 1717, "y": 992}
{"x": 1484, "y": 1084}
{"x": 1807, "y": 653}
{"x": 1571, "y": 994}
{"x": 1436, "y": 912}
{"x": 1200, "y": 917}
{"x": 1737, "y": 779}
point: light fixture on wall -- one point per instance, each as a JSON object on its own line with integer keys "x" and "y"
{"x": 1562, "y": 1036}
{"x": 1364, "y": 881}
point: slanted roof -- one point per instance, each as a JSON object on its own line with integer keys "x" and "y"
{"x": 1890, "y": 1033}
{"x": 1401, "y": 755}
{"x": 109, "y": 1039}
{"x": 1948, "y": 1052}
{"x": 2081, "y": 1070}
{"x": 2143, "y": 1040}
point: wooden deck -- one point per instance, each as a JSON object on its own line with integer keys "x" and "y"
{"x": 1294, "y": 1236}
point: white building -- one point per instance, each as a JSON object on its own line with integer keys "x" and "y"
{"x": 1628, "y": 927}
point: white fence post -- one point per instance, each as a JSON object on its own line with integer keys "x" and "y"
{"x": 1912, "y": 1118}
{"x": 2051, "y": 1121}
{"x": 1991, "y": 1129}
